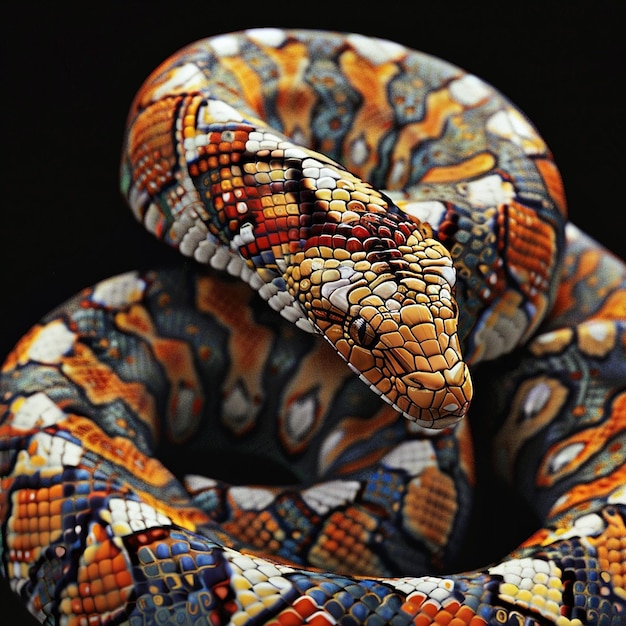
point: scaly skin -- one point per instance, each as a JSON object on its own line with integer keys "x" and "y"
{"x": 125, "y": 412}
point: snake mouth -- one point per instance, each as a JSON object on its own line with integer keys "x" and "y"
{"x": 431, "y": 397}
{"x": 432, "y": 400}
{"x": 424, "y": 375}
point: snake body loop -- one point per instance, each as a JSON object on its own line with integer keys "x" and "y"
{"x": 195, "y": 445}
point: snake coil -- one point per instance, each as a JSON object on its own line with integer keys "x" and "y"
{"x": 282, "y": 431}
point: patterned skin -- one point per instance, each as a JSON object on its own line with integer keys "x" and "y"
{"x": 126, "y": 410}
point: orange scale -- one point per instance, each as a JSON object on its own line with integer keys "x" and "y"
{"x": 85, "y": 589}
{"x": 288, "y": 618}
{"x": 411, "y": 608}
{"x": 97, "y": 588}
{"x": 109, "y": 582}
{"x": 119, "y": 563}
{"x": 89, "y": 605}
{"x": 305, "y": 606}
{"x": 443, "y": 618}
{"x": 100, "y": 604}
{"x": 92, "y": 572}
{"x": 430, "y": 608}
{"x": 342, "y": 554}
{"x": 114, "y": 599}
{"x": 55, "y": 510}
{"x": 55, "y": 493}
{"x": 321, "y": 619}
{"x": 123, "y": 579}
{"x": 19, "y": 524}
{"x": 77, "y": 606}
{"x": 105, "y": 568}
{"x": 55, "y": 523}
{"x": 330, "y": 545}
{"x": 458, "y": 610}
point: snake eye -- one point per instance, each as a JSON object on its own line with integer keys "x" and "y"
{"x": 362, "y": 333}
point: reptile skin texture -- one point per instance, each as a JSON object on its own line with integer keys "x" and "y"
{"x": 377, "y": 273}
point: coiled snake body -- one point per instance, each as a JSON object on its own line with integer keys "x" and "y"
{"x": 126, "y": 410}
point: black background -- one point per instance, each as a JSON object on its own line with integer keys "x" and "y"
{"x": 69, "y": 74}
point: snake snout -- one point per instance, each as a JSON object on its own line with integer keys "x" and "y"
{"x": 453, "y": 377}
{"x": 422, "y": 355}
{"x": 438, "y": 398}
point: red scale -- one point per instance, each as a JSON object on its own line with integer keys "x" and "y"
{"x": 275, "y": 239}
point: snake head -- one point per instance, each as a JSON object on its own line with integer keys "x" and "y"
{"x": 383, "y": 297}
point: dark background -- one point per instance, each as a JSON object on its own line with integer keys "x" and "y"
{"x": 69, "y": 74}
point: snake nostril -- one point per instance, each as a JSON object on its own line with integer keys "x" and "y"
{"x": 425, "y": 380}
{"x": 412, "y": 380}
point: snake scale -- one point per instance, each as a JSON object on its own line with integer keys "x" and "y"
{"x": 281, "y": 429}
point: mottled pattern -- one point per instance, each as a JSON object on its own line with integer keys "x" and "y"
{"x": 282, "y": 431}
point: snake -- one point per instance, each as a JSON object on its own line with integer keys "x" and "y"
{"x": 379, "y": 293}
